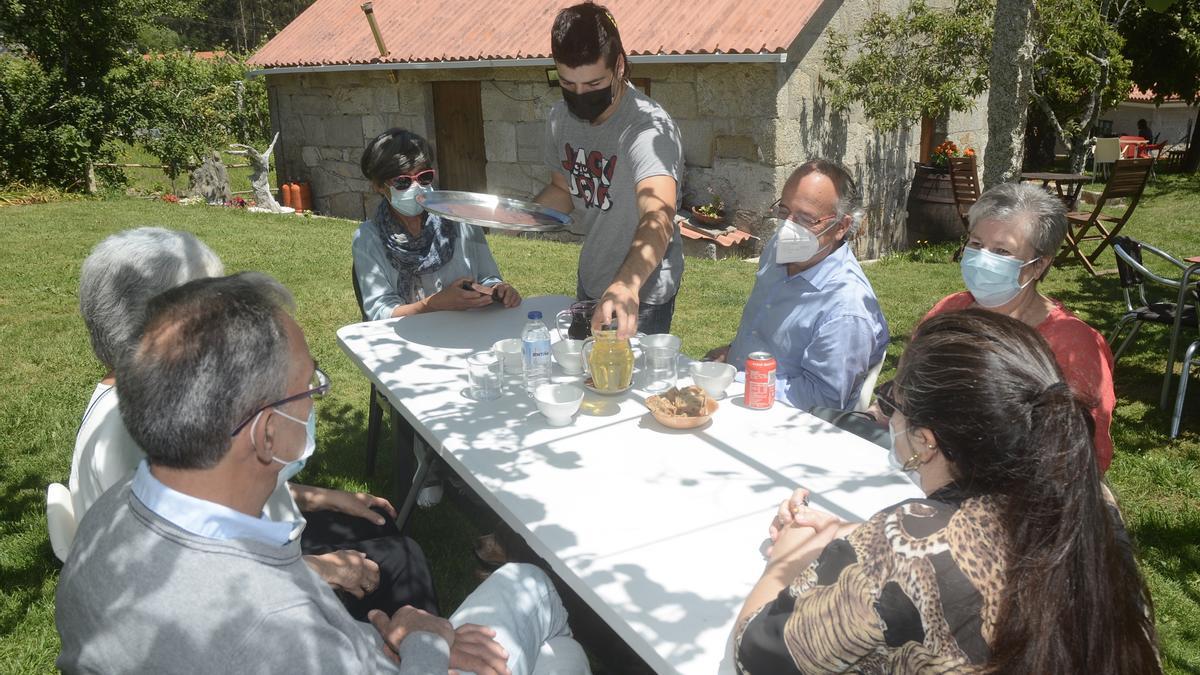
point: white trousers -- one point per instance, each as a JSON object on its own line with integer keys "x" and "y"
{"x": 520, "y": 603}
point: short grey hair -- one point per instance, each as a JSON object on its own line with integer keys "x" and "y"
{"x": 1042, "y": 213}
{"x": 213, "y": 352}
{"x": 849, "y": 201}
{"x": 124, "y": 271}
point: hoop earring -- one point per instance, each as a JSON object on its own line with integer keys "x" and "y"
{"x": 914, "y": 461}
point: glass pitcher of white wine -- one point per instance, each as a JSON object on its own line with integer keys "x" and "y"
{"x": 609, "y": 361}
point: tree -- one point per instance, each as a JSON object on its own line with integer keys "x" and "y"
{"x": 1011, "y": 78}
{"x": 921, "y": 63}
{"x": 1164, "y": 47}
{"x": 1079, "y": 70}
{"x": 179, "y": 107}
{"x": 76, "y": 44}
{"x": 238, "y": 25}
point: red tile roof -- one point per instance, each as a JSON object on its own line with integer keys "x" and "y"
{"x": 731, "y": 237}
{"x": 1138, "y": 96}
{"x": 335, "y": 32}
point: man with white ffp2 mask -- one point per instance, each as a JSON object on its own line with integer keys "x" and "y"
{"x": 812, "y": 307}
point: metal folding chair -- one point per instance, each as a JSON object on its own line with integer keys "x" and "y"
{"x": 411, "y": 468}
{"x": 374, "y": 409}
{"x": 1179, "y": 313}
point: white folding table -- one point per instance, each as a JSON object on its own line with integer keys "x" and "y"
{"x": 659, "y": 531}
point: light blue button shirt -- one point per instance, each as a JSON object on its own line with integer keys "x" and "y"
{"x": 823, "y": 326}
{"x": 377, "y": 279}
{"x": 208, "y": 519}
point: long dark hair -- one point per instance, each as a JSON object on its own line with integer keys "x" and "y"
{"x": 989, "y": 390}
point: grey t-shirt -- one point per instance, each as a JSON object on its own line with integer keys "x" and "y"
{"x": 603, "y": 165}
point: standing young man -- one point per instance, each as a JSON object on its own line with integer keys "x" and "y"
{"x": 616, "y": 162}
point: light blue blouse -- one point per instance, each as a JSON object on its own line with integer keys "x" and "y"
{"x": 377, "y": 279}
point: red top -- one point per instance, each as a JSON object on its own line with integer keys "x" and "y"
{"x": 1082, "y": 354}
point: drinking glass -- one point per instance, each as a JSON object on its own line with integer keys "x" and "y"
{"x": 485, "y": 373}
{"x": 660, "y": 371}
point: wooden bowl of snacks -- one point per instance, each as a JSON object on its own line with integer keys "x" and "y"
{"x": 686, "y": 408}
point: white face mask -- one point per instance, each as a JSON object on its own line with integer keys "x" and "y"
{"x": 795, "y": 243}
{"x": 293, "y": 467}
{"x": 992, "y": 279}
{"x": 406, "y": 202}
{"x": 895, "y": 462}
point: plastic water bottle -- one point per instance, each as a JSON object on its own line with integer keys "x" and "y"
{"x": 535, "y": 352}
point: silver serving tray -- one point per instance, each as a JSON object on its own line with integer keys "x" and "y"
{"x": 501, "y": 213}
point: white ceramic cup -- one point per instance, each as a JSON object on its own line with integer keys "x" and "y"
{"x": 714, "y": 378}
{"x": 569, "y": 355}
{"x": 558, "y": 402}
{"x": 508, "y": 351}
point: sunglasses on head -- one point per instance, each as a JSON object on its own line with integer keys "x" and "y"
{"x": 404, "y": 181}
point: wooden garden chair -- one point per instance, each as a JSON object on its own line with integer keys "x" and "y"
{"x": 964, "y": 182}
{"x": 1128, "y": 180}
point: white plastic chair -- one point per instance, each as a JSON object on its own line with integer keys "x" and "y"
{"x": 1106, "y": 151}
{"x": 868, "y": 387}
{"x": 60, "y": 519}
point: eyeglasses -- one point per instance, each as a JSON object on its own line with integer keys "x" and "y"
{"x": 778, "y": 210}
{"x": 404, "y": 181}
{"x": 883, "y": 396}
{"x": 318, "y": 386}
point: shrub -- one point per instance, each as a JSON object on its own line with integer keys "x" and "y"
{"x": 43, "y": 126}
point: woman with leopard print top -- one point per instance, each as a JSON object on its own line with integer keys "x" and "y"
{"x": 1016, "y": 560}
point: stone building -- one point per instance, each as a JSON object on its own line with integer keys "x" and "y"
{"x": 742, "y": 78}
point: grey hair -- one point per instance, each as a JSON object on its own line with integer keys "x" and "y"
{"x": 213, "y": 352}
{"x": 124, "y": 271}
{"x": 1042, "y": 214}
{"x": 849, "y": 201}
{"x": 394, "y": 152}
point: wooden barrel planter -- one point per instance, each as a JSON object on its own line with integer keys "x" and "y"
{"x": 932, "y": 213}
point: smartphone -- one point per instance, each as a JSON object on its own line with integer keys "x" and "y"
{"x": 469, "y": 286}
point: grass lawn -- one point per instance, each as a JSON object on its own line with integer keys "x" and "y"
{"x": 48, "y": 373}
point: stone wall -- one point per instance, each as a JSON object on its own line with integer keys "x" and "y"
{"x": 745, "y": 127}
{"x": 324, "y": 121}
{"x": 882, "y": 163}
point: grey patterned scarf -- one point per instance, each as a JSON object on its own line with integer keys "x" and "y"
{"x": 413, "y": 256}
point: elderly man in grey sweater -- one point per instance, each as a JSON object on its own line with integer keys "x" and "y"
{"x": 178, "y": 570}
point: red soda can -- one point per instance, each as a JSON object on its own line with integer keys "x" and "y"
{"x": 760, "y": 380}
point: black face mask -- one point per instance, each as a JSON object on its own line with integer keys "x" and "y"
{"x": 589, "y": 106}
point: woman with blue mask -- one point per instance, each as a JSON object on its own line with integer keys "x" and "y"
{"x": 408, "y": 261}
{"x": 1015, "y": 231}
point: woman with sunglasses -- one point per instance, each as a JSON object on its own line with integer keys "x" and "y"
{"x": 1016, "y": 561}
{"x": 408, "y": 261}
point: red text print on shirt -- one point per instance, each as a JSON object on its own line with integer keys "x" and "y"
{"x": 590, "y": 176}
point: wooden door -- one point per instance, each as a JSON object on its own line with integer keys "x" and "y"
{"x": 458, "y": 121}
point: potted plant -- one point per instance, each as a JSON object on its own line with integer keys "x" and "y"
{"x": 940, "y": 156}
{"x": 712, "y": 213}
{"x": 932, "y": 213}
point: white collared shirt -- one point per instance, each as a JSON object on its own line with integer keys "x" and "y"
{"x": 209, "y": 519}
